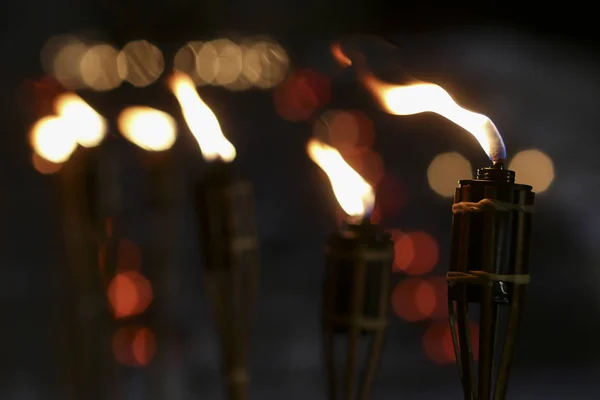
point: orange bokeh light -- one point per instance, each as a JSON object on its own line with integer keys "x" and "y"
{"x": 413, "y": 299}
{"x": 390, "y": 196}
{"x": 129, "y": 293}
{"x": 144, "y": 346}
{"x": 438, "y": 345}
{"x": 134, "y": 346}
{"x": 301, "y": 95}
{"x": 415, "y": 253}
{"x": 44, "y": 166}
{"x": 440, "y": 286}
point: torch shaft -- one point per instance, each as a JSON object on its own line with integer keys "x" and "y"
{"x": 462, "y": 342}
{"x": 489, "y": 310}
{"x": 92, "y": 363}
{"x": 522, "y": 245}
{"x": 356, "y": 308}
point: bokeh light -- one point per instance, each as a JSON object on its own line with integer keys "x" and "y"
{"x": 144, "y": 346}
{"x": 274, "y": 64}
{"x": 140, "y": 63}
{"x": 129, "y": 293}
{"x": 229, "y": 61}
{"x": 99, "y": 67}
{"x": 87, "y": 125}
{"x": 44, "y": 166}
{"x": 415, "y": 253}
{"x": 390, "y": 197}
{"x": 301, "y": 95}
{"x": 440, "y": 286}
{"x": 533, "y": 167}
{"x": 148, "y": 128}
{"x": 368, "y": 164}
{"x": 134, "y": 345}
{"x": 413, "y": 299}
{"x": 446, "y": 170}
{"x": 52, "y": 139}
{"x": 207, "y": 63}
{"x": 185, "y": 60}
{"x": 61, "y": 57}
{"x": 437, "y": 343}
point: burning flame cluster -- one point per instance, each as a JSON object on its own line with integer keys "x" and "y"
{"x": 354, "y": 194}
{"x": 56, "y": 137}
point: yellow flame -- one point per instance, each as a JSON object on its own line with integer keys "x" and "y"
{"x": 353, "y": 193}
{"x": 423, "y": 97}
{"x": 53, "y": 139}
{"x": 85, "y": 123}
{"x": 148, "y": 128}
{"x": 201, "y": 120}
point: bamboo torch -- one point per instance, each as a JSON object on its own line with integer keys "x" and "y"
{"x": 229, "y": 242}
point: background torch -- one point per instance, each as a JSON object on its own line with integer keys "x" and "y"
{"x": 155, "y": 132}
{"x": 491, "y": 236}
{"x": 357, "y": 280}
{"x": 87, "y": 331}
{"x": 228, "y": 232}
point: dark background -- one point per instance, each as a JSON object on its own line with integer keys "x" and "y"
{"x": 532, "y": 69}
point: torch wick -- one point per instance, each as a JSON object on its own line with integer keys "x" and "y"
{"x": 498, "y": 164}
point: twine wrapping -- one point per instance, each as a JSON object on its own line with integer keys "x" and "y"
{"x": 464, "y": 207}
{"x": 485, "y": 278}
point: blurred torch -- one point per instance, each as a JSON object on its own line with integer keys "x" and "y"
{"x": 491, "y": 235}
{"x": 55, "y": 139}
{"x": 155, "y": 132}
{"x": 229, "y": 235}
{"x": 358, "y": 271}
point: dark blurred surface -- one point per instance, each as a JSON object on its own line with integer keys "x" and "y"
{"x": 534, "y": 72}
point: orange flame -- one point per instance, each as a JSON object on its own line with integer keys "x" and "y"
{"x": 428, "y": 97}
{"x": 88, "y": 126}
{"x": 201, "y": 120}
{"x": 148, "y": 128}
{"x": 53, "y": 139}
{"x": 353, "y": 193}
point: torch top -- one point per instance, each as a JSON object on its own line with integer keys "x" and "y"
{"x": 362, "y": 228}
{"x": 496, "y": 172}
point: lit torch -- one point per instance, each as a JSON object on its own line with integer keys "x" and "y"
{"x": 55, "y": 138}
{"x": 155, "y": 132}
{"x": 356, "y": 292}
{"x": 491, "y": 235}
{"x": 229, "y": 236}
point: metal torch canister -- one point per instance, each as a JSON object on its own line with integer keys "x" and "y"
{"x": 356, "y": 299}
{"x": 495, "y": 240}
{"x": 229, "y": 242}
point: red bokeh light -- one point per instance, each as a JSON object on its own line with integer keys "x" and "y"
{"x": 440, "y": 285}
{"x": 302, "y": 94}
{"x": 368, "y": 164}
{"x": 413, "y": 299}
{"x": 438, "y": 345}
{"x": 390, "y": 196}
{"x": 415, "y": 253}
{"x": 129, "y": 293}
{"x": 134, "y": 345}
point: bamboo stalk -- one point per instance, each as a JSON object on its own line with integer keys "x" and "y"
{"x": 489, "y": 310}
